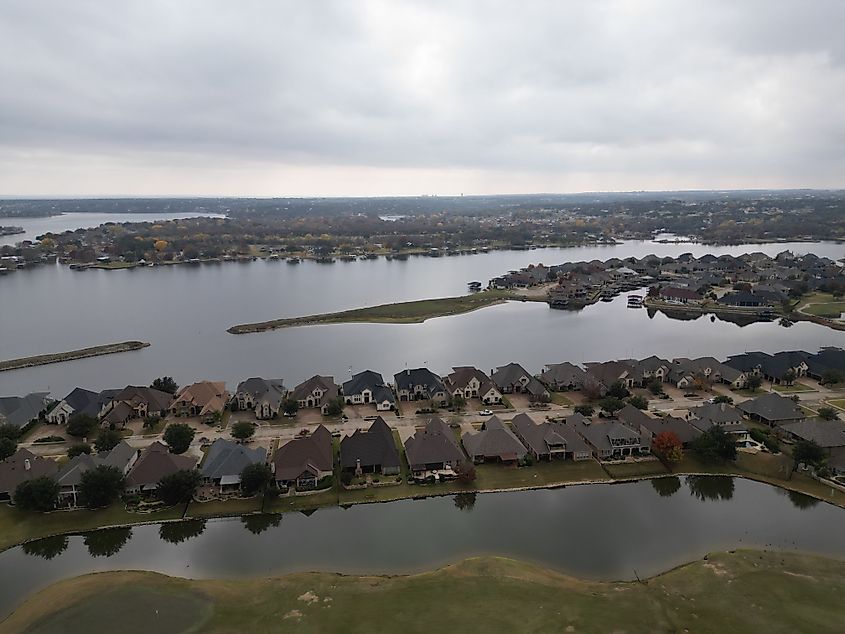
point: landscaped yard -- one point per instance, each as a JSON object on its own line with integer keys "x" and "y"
{"x": 766, "y": 592}
{"x": 792, "y": 389}
{"x": 559, "y": 398}
{"x": 622, "y": 470}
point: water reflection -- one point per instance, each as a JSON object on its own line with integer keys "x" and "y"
{"x": 799, "y": 500}
{"x": 257, "y": 524}
{"x": 465, "y": 501}
{"x": 666, "y": 487}
{"x": 106, "y": 542}
{"x": 711, "y": 487}
{"x": 46, "y": 548}
{"x": 178, "y": 532}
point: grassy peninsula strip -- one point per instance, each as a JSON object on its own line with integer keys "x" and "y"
{"x": 72, "y": 355}
{"x": 399, "y": 313}
{"x": 768, "y": 592}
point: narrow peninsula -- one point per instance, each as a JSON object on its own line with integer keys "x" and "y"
{"x": 71, "y": 355}
{"x": 398, "y": 313}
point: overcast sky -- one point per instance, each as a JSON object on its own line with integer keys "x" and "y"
{"x": 380, "y": 98}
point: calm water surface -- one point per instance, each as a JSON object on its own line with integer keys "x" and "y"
{"x": 595, "y": 531}
{"x": 184, "y": 312}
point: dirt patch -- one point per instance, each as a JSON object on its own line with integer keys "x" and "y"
{"x": 308, "y": 597}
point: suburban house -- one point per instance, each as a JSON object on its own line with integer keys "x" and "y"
{"x": 318, "y": 391}
{"x": 153, "y": 463}
{"x": 21, "y": 466}
{"x": 609, "y": 372}
{"x": 420, "y": 384}
{"x": 773, "y": 367}
{"x": 514, "y": 379}
{"x": 673, "y": 295}
{"x": 563, "y": 376}
{"x": 135, "y": 402}
{"x": 80, "y": 401}
{"x": 469, "y": 382}
{"x": 685, "y": 372}
{"x": 371, "y": 451}
{"x": 549, "y": 440}
{"x": 494, "y": 443}
{"x": 723, "y": 415}
{"x": 368, "y": 387}
{"x": 264, "y": 396}
{"x": 122, "y": 457}
{"x": 22, "y": 410}
{"x": 612, "y": 439}
{"x": 205, "y": 399}
{"x": 650, "y": 427}
{"x": 301, "y": 463}
{"x": 773, "y": 409}
{"x": 225, "y": 460}
{"x": 433, "y": 448}
{"x": 827, "y": 434}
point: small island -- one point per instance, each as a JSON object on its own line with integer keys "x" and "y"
{"x": 71, "y": 355}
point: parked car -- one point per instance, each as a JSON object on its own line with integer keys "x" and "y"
{"x": 486, "y": 412}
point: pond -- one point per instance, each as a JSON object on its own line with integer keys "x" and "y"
{"x": 602, "y": 531}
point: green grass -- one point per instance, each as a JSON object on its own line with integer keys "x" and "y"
{"x": 558, "y": 398}
{"x": 792, "y": 389}
{"x": 398, "y": 313}
{"x": 624, "y": 470}
{"x": 837, "y": 402}
{"x": 18, "y": 526}
{"x": 216, "y": 508}
{"x": 743, "y": 591}
{"x": 830, "y": 310}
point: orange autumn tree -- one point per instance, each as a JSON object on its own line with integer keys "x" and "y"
{"x": 668, "y": 447}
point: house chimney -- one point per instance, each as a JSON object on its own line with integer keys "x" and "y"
{"x": 27, "y": 465}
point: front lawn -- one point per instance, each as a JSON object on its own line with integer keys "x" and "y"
{"x": 792, "y": 389}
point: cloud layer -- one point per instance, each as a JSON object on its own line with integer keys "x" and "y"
{"x": 326, "y": 98}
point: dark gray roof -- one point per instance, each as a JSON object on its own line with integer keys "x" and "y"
{"x": 495, "y": 440}
{"x": 368, "y": 379}
{"x": 257, "y": 387}
{"x": 825, "y": 433}
{"x": 509, "y": 374}
{"x": 563, "y": 374}
{"x": 410, "y": 378}
{"x": 684, "y": 430}
{"x": 228, "y": 458}
{"x": 433, "y": 444}
{"x": 23, "y": 465}
{"x": 599, "y": 434}
{"x": 540, "y": 436}
{"x": 20, "y": 410}
{"x": 772, "y": 407}
{"x": 312, "y": 454}
{"x": 307, "y": 387}
{"x": 721, "y": 413}
{"x": 374, "y": 447}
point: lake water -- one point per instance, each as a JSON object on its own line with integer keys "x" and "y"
{"x": 183, "y": 311}
{"x": 34, "y": 227}
{"x": 595, "y": 531}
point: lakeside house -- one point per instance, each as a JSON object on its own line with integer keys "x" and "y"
{"x": 264, "y": 396}
{"x": 772, "y": 367}
{"x": 80, "y": 401}
{"x": 650, "y": 427}
{"x": 368, "y": 388}
{"x": 683, "y": 296}
{"x": 303, "y": 462}
{"x": 469, "y": 382}
{"x": 21, "y": 466}
{"x": 135, "y": 402}
{"x": 550, "y": 440}
{"x": 773, "y": 409}
{"x": 514, "y": 379}
{"x": 494, "y": 443}
{"x": 685, "y": 373}
{"x": 318, "y": 391}
{"x": 420, "y": 384}
{"x": 728, "y": 417}
{"x": 434, "y": 448}
{"x": 371, "y": 451}
{"x": 206, "y": 399}
{"x": 153, "y": 463}
{"x": 20, "y": 411}
{"x": 611, "y": 439}
{"x": 225, "y": 460}
{"x": 563, "y": 376}
{"x": 69, "y": 477}
{"x": 827, "y": 434}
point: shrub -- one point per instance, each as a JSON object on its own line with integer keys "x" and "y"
{"x": 38, "y": 494}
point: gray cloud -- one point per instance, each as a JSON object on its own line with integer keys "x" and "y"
{"x": 278, "y": 98}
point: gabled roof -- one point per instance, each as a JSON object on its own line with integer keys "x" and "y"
{"x": 313, "y": 453}
{"x": 154, "y": 463}
{"x": 24, "y": 465}
{"x": 83, "y": 401}
{"x": 227, "y": 458}
{"x": 209, "y": 396}
{"x": 509, "y": 374}
{"x": 721, "y": 413}
{"x": 20, "y": 410}
{"x": 156, "y": 400}
{"x": 825, "y": 433}
{"x": 373, "y": 447}
{"x": 408, "y": 379}
{"x": 366, "y": 380}
{"x": 772, "y": 407}
{"x": 325, "y": 383}
{"x": 494, "y": 440}
{"x": 563, "y": 374}
{"x": 435, "y": 443}
{"x": 256, "y": 386}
